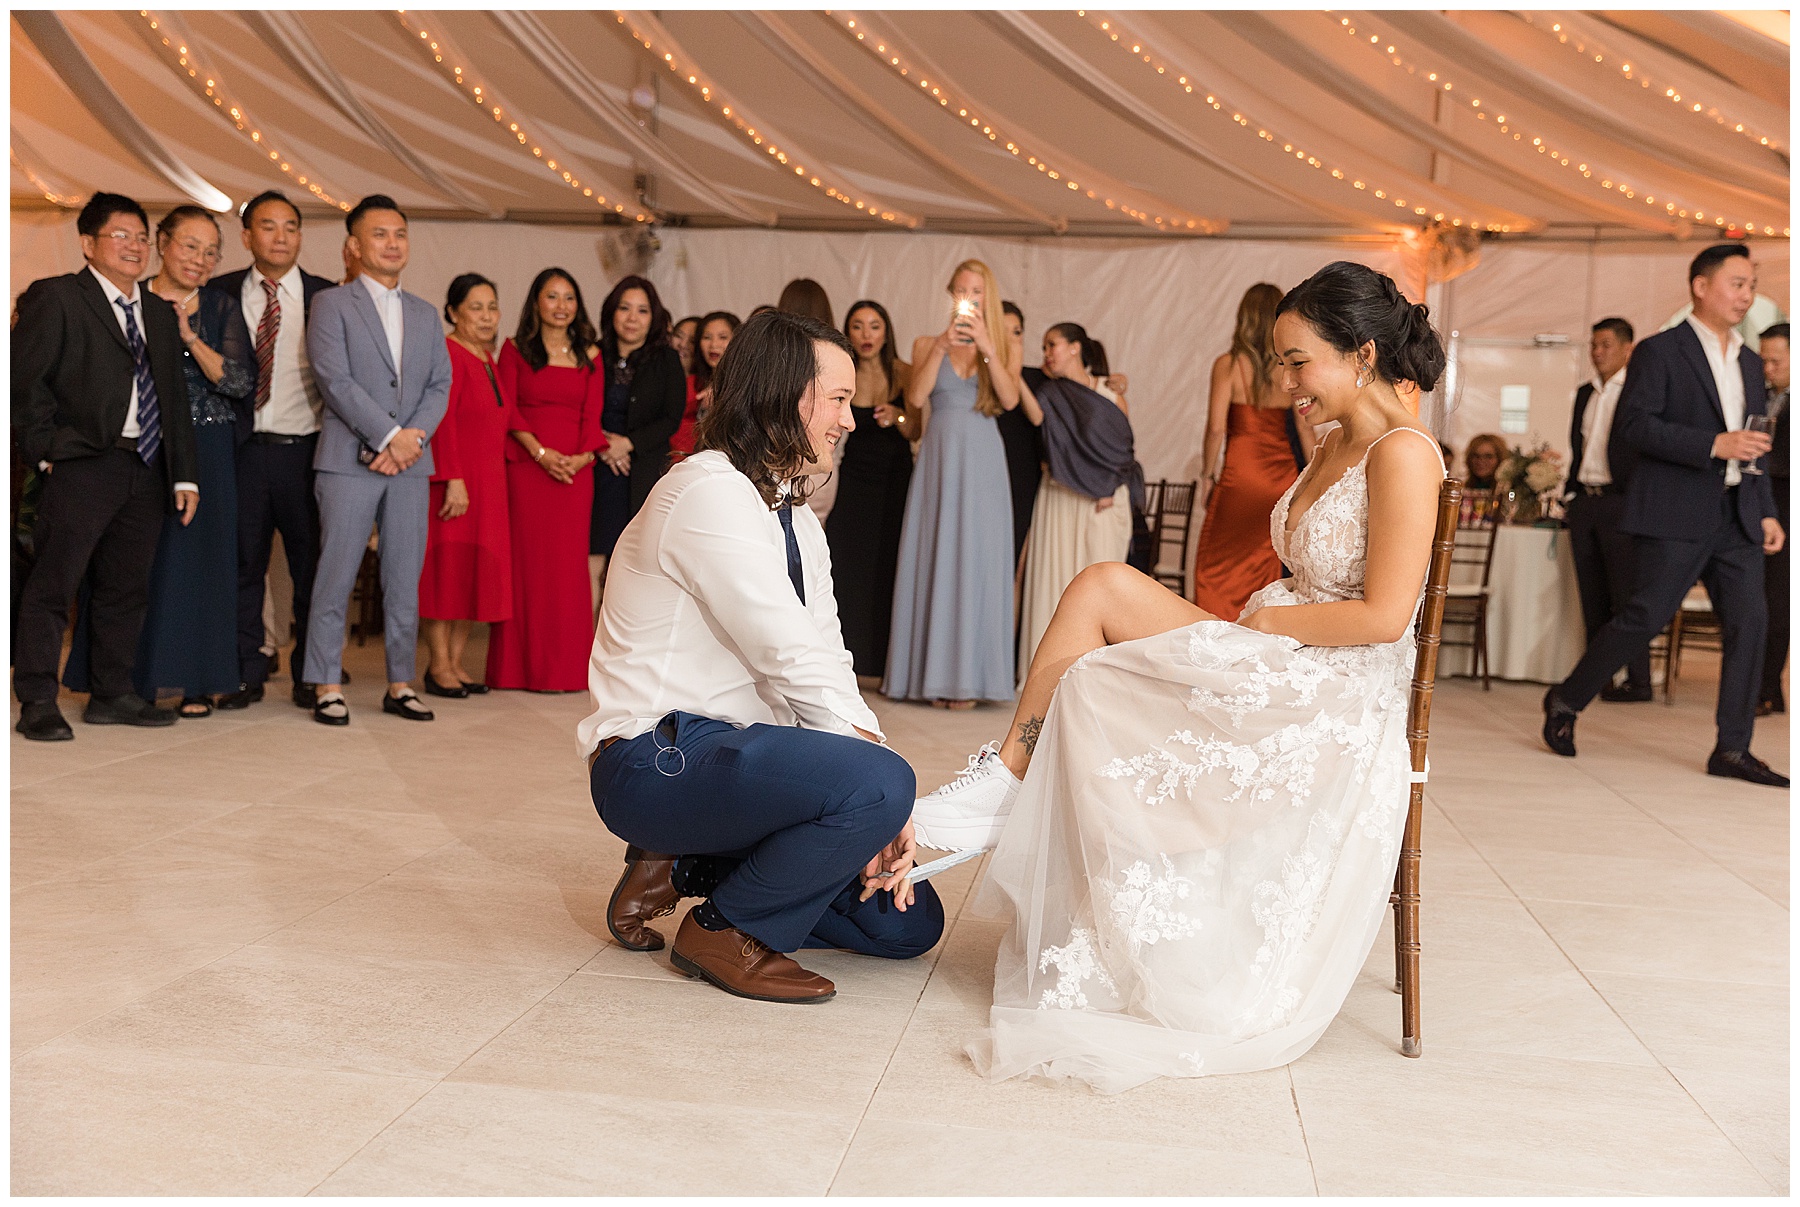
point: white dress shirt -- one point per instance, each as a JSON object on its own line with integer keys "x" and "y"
{"x": 700, "y": 616}
{"x": 1596, "y": 431}
{"x": 294, "y": 401}
{"x": 135, "y": 301}
{"x": 1729, "y": 378}
{"x": 393, "y": 322}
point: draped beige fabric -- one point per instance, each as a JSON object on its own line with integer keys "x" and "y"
{"x": 1259, "y": 124}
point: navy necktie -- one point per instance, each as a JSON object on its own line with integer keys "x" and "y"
{"x": 149, "y": 416}
{"x": 796, "y": 573}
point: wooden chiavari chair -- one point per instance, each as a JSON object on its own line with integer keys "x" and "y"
{"x": 1405, "y": 898}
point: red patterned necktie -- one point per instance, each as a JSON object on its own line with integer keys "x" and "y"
{"x": 266, "y": 331}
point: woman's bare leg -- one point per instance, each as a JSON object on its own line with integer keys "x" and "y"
{"x": 459, "y": 642}
{"x": 1106, "y": 604}
{"x": 442, "y": 667}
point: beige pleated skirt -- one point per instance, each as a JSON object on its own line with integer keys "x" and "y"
{"x": 1067, "y": 536}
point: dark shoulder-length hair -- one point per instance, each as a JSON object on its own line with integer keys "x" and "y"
{"x": 529, "y": 339}
{"x": 890, "y": 352}
{"x": 659, "y": 319}
{"x": 755, "y": 415}
{"x": 703, "y": 372}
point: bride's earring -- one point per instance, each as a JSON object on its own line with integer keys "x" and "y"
{"x": 1359, "y": 379}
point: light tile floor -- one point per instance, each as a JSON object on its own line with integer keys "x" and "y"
{"x": 254, "y": 955}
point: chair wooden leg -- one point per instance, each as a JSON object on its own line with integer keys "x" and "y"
{"x": 1481, "y": 636}
{"x": 1406, "y": 927}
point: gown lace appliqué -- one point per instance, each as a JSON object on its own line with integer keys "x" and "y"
{"x": 1200, "y": 859}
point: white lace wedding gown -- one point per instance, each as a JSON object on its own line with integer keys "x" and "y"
{"x": 1200, "y": 856}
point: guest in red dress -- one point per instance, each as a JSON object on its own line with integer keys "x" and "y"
{"x": 553, "y": 371}
{"x": 468, "y": 550}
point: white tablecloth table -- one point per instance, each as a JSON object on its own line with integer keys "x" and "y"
{"x": 1535, "y": 630}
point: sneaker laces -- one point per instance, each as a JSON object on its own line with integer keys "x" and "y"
{"x": 977, "y": 765}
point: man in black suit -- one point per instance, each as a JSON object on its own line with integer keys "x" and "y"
{"x": 1775, "y": 348}
{"x": 1679, "y": 446}
{"x": 278, "y": 433}
{"x": 1596, "y": 502}
{"x": 100, "y": 407}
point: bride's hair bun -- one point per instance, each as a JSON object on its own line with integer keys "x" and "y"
{"x": 1350, "y": 304}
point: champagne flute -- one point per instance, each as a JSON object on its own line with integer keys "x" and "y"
{"x": 1757, "y": 423}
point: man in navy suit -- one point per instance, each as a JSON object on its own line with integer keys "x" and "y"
{"x": 383, "y": 370}
{"x": 1596, "y": 500}
{"x": 277, "y": 434}
{"x": 1679, "y": 446}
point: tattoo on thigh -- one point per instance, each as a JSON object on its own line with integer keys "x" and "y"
{"x": 1029, "y": 729}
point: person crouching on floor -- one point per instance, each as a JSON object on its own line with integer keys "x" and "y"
{"x": 728, "y": 732}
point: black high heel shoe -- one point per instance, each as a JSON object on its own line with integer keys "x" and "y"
{"x": 476, "y": 689}
{"x": 459, "y": 692}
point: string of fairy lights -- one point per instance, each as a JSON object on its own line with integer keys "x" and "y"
{"x": 482, "y": 95}
{"x": 1509, "y": 131}
{"x": 1593, "y": 51}
{"x": 209, "y": 87}
{"x": 884, "y": 53}
{"x": 1138, "y": 48}
{"x": 756, "y": 133}
{"x": 50, "y": 193}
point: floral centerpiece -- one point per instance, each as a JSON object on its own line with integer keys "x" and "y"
{"x": 1524, "y": 479}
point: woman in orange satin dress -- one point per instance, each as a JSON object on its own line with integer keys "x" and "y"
{"x": 1251, "y": 417}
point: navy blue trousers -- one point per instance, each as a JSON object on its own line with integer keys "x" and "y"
{"x": 789, "y": 817}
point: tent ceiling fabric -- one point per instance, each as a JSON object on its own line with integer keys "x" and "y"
{"x": 1605, "y": 124}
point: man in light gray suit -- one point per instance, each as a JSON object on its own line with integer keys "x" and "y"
{"x": 383, "y": 371}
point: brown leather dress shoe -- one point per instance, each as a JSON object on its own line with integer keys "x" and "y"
{"x": 646, "y": 890}
{"x": 742, "y": 965}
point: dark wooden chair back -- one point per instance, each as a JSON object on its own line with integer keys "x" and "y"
{"x": 1405, "y": 897}
{"x": 1174, "y": 513}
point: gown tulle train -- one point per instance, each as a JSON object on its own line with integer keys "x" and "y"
{"x": 1199, "y": 859}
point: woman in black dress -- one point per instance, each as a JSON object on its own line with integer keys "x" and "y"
{"x": 864, "y": 526}
{"x": 189, "y": 639}
{"x": 646, "y": 397}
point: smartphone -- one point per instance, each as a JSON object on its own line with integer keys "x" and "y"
{"x": 964, "y": 308}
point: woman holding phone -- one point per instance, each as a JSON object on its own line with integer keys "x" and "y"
{"x": 953, "y": 595}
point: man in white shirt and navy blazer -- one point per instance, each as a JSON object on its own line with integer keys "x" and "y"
{"x": 1680, "y": 448}
{"x": 383, "y": 371}
{"x": 277, "y": 436}
{"x": 1595, "y": 501}
{"x": 728, "y": 730}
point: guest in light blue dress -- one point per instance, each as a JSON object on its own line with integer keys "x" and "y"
{"x": 953, "y": 593}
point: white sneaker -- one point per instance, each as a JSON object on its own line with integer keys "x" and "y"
{"x": 968, "y": 813}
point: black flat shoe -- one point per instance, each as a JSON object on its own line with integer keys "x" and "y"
{"x": 306, "y": 695}
{"x": 1559, "y": 725}
{"x": 43, "y": 722}
{"x": 1629, "y": 693}
{"x": 1742, "y": 765}
{"x": 432, "y": 688}
{"x": 476, "y": 689}
{"x": 126, "y": 710}
{"x": 243, "y": 697}
{"x": 332, "y": 709}
{"x": 193, "y": 707}
{"x": 407, "y": 705}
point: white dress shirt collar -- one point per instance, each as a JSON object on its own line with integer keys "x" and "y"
{"x": 113, "y": 292}
{"x": 290, "y": 284}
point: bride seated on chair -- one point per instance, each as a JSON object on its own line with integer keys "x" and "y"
{"x": 1197, "y": 820}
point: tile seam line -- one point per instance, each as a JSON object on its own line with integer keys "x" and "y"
{"x": 438, "y": 1082}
